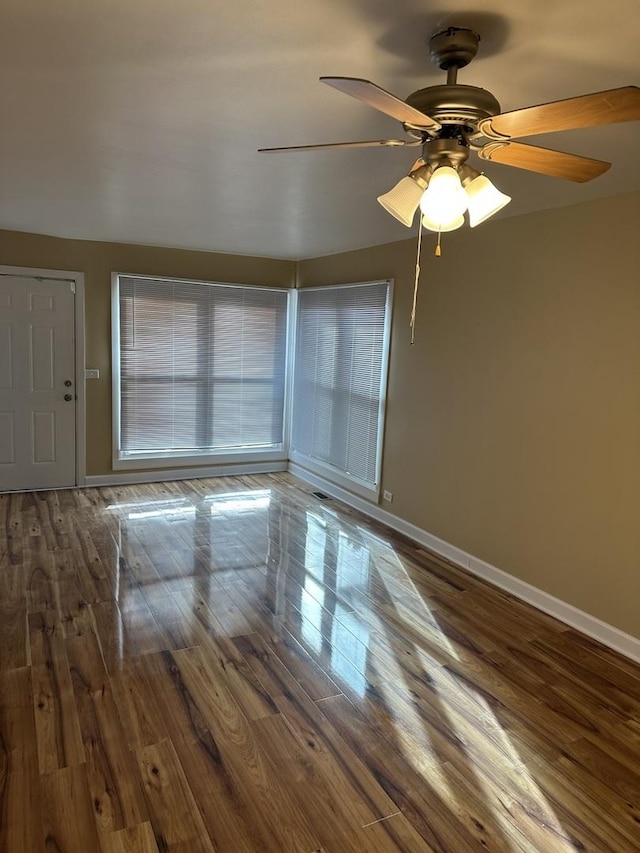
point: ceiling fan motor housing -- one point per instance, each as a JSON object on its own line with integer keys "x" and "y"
{"x": 455, "y": 104}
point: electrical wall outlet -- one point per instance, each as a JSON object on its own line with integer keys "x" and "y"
{"x": 91, "y": 373}
{"x": 387, "y": 496}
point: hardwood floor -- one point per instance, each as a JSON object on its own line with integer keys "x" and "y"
{"x": 234, "y": 665}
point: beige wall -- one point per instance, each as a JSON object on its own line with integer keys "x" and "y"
{"x": 513, "y": 426}
{"x": 97, "y": 261}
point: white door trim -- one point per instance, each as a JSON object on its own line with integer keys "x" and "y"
{"x": 78, "y": 279}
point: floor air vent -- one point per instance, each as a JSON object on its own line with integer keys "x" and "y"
{"x": 321, "y": 496}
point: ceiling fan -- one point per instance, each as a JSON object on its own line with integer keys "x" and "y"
{"x": 452, "y": 120}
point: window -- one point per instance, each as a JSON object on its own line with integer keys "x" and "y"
{"x": 199, "y": 371}
{"x": 340, "y": 367}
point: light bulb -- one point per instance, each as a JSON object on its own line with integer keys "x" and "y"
{"x": 444, "y": 200}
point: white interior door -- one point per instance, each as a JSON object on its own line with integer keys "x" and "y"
{"x": 37, "y": 383}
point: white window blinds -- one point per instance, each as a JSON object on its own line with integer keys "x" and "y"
{"x": 339, "y": 382}
{"x": 202, "y": 367}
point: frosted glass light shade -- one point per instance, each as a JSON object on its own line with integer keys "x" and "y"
{"x": 431, "y": 225}
{"x": 484, "y": 200}
{"x": 444, "y": 201}
{"x": 402, "y": 201}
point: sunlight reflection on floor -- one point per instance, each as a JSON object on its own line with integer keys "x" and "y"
{"x": 520, "y": 780}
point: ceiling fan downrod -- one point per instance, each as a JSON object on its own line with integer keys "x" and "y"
{"x": 452, "y": 49}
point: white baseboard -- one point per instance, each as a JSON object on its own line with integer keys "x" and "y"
{"x": 593, "y": 627}
{"x": 123, "y": 478}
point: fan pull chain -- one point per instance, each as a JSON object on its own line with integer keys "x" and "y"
{"x": 412, "y": 322}
{"x": 438, "y": 251}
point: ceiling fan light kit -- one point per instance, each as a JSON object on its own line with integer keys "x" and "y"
{"x": 416, "y": 189}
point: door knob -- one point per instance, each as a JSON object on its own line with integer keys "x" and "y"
{"x": 68, "y": 397}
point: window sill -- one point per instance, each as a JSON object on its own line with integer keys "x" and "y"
{"x": 370, "y": 492}
{"x": 143, "y": 462}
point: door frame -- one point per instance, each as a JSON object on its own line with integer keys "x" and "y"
{"x": 77, "y": 278}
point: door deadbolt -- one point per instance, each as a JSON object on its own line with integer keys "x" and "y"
{"x": 68, "y": 383}
{"x": 68, "y": 397}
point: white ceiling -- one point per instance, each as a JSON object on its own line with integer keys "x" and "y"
{"x": 138, "y": 120}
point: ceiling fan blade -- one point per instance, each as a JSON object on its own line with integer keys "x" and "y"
{"x": 610, "y": 107}
{"x": 374, "y": 143}
{"x": 379, "y": 99}
{"x": 545, "y": 161}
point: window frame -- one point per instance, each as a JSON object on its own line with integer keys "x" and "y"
{"x": 152, "y": 460}
{"x": 323, "y": 469}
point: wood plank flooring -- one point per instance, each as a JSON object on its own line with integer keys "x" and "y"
{"x": 234, "y": 665}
